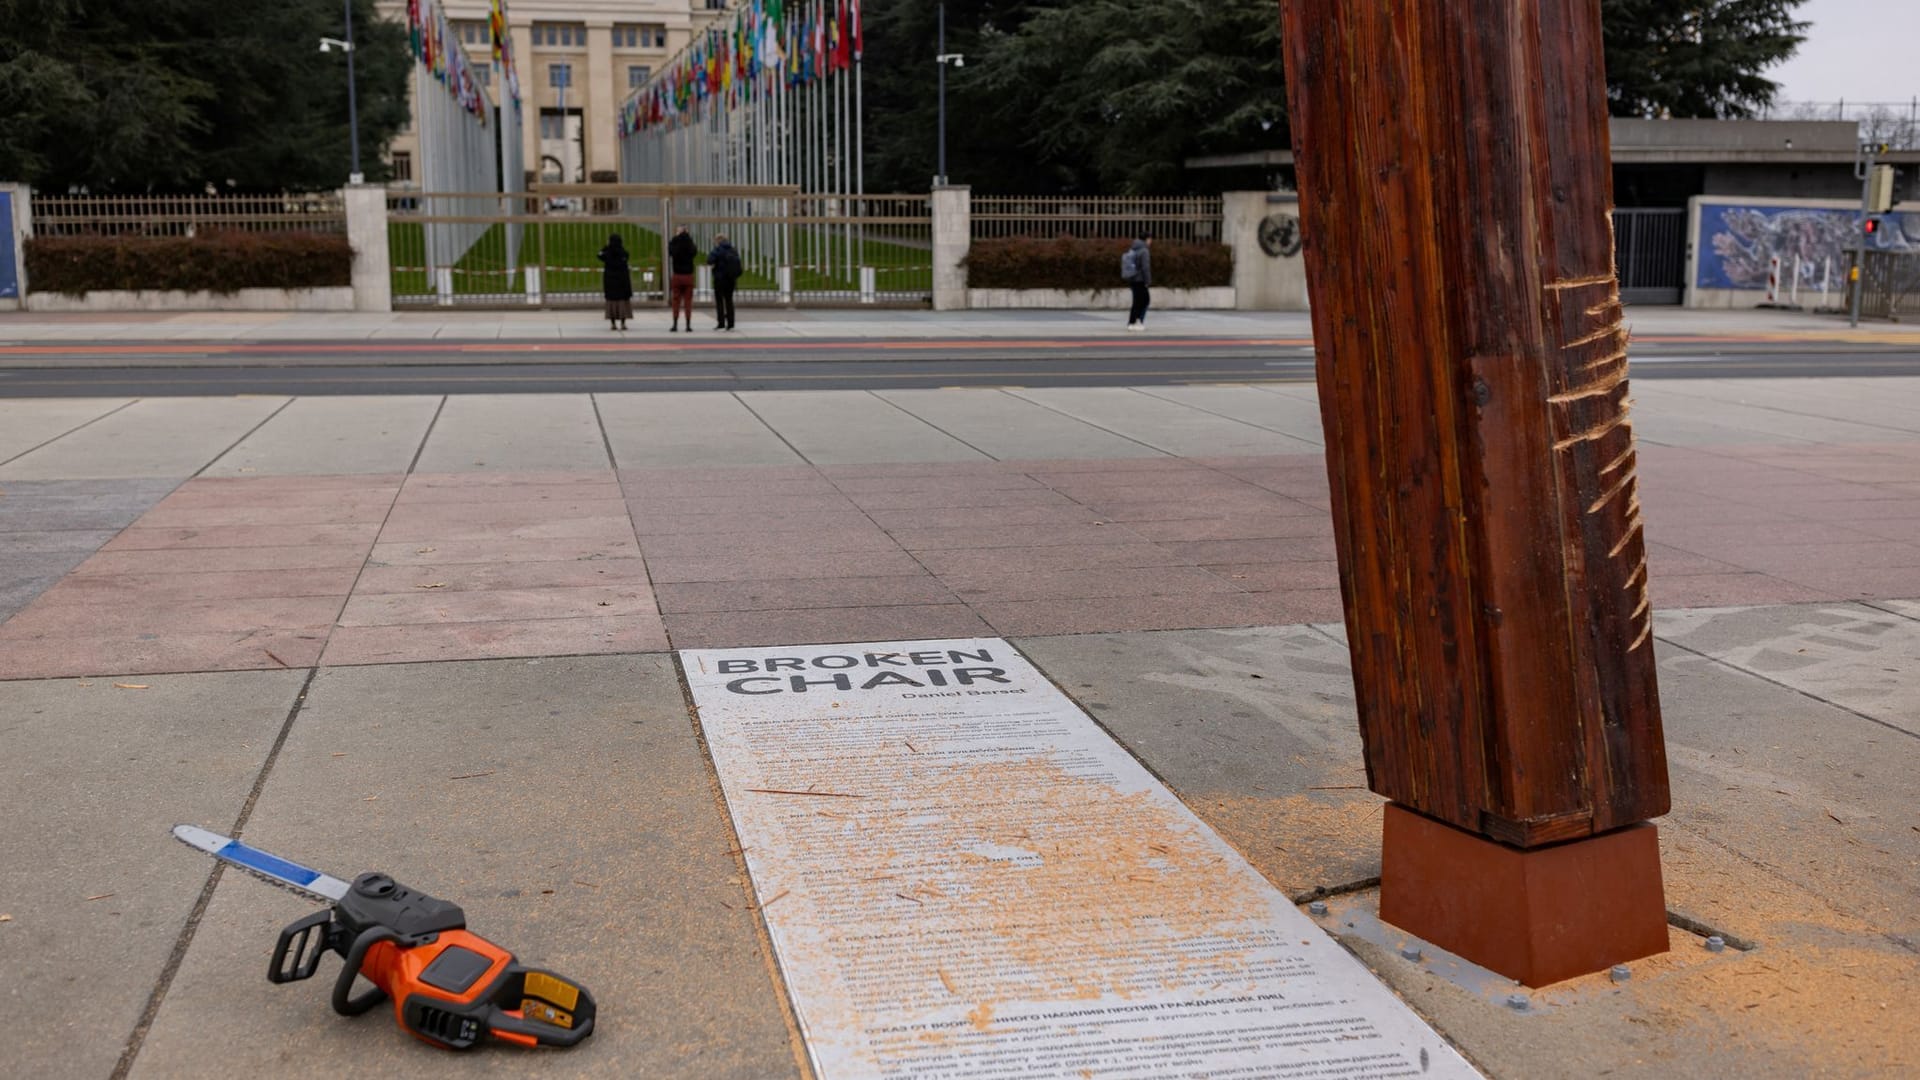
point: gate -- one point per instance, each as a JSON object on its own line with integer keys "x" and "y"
{"x": 1650, "y": 254}
{"x": 539, "y": 248}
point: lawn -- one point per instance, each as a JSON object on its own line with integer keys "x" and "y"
{"x": 567, "y": 250}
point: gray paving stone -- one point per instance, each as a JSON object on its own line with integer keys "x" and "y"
{"x": 91, "y": 779}
{"x": 153, "y": 437}
{"x": 583, "y": 833}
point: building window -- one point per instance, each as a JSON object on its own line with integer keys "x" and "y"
{"x": 637, "y": 75}
{"x": 483, "y": 73}
{"x": 402, "y": 165}
{"x": 563, "y": 35}
{"x": 626, "y": 37}
{"x": 559, "y": 74}
{"x": 717, "y": 5}
{"x": 659, "y": 36}
{"x": 552, "y": 126}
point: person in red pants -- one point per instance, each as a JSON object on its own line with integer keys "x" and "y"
{"x": 681, "y": 251}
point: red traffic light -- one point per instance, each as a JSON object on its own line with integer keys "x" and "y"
{"x": 1872, "y": 225}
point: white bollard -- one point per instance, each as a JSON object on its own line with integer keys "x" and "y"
{"x": 443, "y": 285}
{"x": 1826, "y": 278}
{"x": 784, "y": 275}
{"x": 867, "y": 289}
{"x": 533, "y": 285}
{"x": 702, "y": 284}
{"x": 1793, "y": 290}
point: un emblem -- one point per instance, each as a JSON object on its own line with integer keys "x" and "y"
{"x": 1280, "y": 235}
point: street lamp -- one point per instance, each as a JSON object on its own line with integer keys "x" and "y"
{"x": 328, "y": 44}
{"x": 943, "y": 58}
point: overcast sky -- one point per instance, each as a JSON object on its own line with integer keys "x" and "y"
{"x": 1860, "y": 50}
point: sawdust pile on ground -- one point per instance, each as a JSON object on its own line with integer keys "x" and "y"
{"x": 1321, "y": 839}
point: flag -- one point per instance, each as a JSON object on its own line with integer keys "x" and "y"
{"x": 859, "y": 39}
{"x": 817, "y": 62}
{"x": 833, "y": 35}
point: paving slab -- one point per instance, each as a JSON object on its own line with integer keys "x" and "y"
{"x": 334, "y": 435}
{"x": 584, "y": 835}
{"x": 515, "y": 433}
{"x": 1007, "y": 427}
{"x": 1293, "y": 417}
{"x": 655, "y": 430}
{"x": 1165, "y": 425}
{"x": 153, "y": 437}
{"x": 98, "y": 893}
{"x": 835, "y": 427}
{"x": 26, "y": 424}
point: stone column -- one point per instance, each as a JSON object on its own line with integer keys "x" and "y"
{"x": 603, "y": 151}
{"x": 533, "y": 78}
{"x": 1269, "y": 273}
{"x": 952, "y": 235}
{"x": 372, "y": 262}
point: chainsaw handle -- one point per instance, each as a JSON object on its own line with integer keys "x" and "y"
{"x": 344, "y": 1001}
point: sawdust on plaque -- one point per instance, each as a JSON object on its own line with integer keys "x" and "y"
{"x": 984, "y": 882}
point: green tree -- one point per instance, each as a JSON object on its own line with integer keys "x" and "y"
{"x": 173, "y": 95}
{"x": 1697, "y": 58}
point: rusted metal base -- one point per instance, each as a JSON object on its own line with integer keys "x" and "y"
{"x": 1538, "y": 915}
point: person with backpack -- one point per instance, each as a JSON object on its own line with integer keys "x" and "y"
{"x": 616, "y": 283}
{"x": 1136, "y": 269}
{"x": 724, "y": 262}
{"x": 681, "y": 252}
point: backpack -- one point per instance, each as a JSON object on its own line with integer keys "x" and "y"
{"x": 1129, "y": 265}
{"x": 728, "y": 267}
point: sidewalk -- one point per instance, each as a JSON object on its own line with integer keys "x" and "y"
{"x": 876, "y": 324}
{"x": 433, "y": 636}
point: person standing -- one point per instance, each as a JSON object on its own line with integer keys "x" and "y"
{"x": 616, "y": 282}
{"x": 1136, "y": 269}
{"x": 724, "y": 261}
{"x": 681, "y": 252}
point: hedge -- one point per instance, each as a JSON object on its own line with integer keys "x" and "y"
{"x": 1077, "y": 264}
{"x": 219, "y": 262}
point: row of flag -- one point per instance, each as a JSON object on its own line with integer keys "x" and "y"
{"x": 437, "y": 47}
{"x": 769, "y": 43}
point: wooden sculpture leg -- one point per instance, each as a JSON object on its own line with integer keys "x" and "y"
{"x": 1538, "y": 915}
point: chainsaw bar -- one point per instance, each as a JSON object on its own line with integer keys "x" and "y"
{"x": 270, "y": 868}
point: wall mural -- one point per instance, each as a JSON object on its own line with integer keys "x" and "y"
{"x": 1737, "y": 239}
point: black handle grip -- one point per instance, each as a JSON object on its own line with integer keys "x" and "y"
{"x": 297, "y": 954}
{"x": 344, "y": 1001}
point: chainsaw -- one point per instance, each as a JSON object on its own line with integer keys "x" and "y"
{"x": 449, "y": 987}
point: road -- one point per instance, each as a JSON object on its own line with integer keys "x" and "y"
{"x": 86, "y": 369}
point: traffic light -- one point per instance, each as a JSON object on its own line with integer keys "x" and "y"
{"x": 1880, "y": 189}
{"x": 1871, "y": 225}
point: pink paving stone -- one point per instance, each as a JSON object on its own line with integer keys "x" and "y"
{"x": 53, "y": 658}
{"x": 201, "y": 517}
{"x": 1317, "y": 548}
{"x": 1110, "y": 614}
{"x": 711, "y": 630}
{"x": 872, "y": 485}
{"x": 1248, "y": 527}
{"x": 503, "y": 575}
{"x": 1313, "y": 575}
{"x": 1706, "y": 538}
{"x": 912, "y": 500}
{"x": 1772, "y": 558}
{"x": 1664, "y": 561}
{"x": 558, "y": 528}
{"x": 510, "y": 494}
{"x": 1874, "y": 583}
{"x": 982, "y": 588}
{"x": 791, "y": 564}
{"x": 185, "y": 588}
{"x": 139, "y": 537}
{"x": 1254, "y": 504}
{"x": 951, "y": 517}
{"x": 709, "y": 474}
{"x": 934, "y": 469}
{"x": 1070, "y": 467}
{"x": 661, "y": 505}
{"x": 411, "y": 516}
{"x": 427, "y": 552}
{"x": 140, "y": 613}
{"x": 510, "y": 479}
{"x": 747, "y": 521}
{"x": 1008, "y": 536}
{"x": 743, "y": 487}
{"x": 1065, "y": 557}
{"x": 421, "y": 606}
{"x": 904, "y": 590}
{"x": 760, "y": 543}
{"x": 195, "y": 560}
{"x": 1730, "y": 590}
{"x": 489, "y": 640}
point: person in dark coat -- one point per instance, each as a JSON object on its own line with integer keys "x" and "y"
{"x": 616, "y": 282}
{"x": 724, "y": 261}
{"x": 681, "y": 253}
{"x": 1136, "y": 269}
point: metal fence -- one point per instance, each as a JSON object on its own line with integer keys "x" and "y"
{"x": 1650, "y": 254}
{"x": 795, "y": 248}
{"x": 186, "y": 215}
{"x": 1890, "y": 284}
{"x": 1175, "y": 217}
{"x": 1896, "y": 123}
